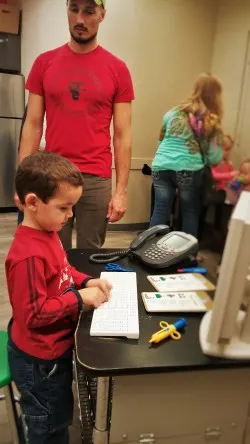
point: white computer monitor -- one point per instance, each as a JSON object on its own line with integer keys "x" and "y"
{"x": 225, "y": 330}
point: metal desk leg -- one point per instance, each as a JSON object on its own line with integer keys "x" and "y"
{"x": 101, "y": 432}
{"x": 86, "y": 393}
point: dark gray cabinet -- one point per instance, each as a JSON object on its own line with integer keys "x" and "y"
{"x": 10, "y": 53}
{"x": 11, "y": 114}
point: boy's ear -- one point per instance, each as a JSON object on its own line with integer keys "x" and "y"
{"x": 31, "y": 201}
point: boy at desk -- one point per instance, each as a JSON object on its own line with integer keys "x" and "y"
{"x": 46, "y": 295}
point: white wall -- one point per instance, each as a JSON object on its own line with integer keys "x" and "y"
{"x": 229, "y": 54}
{"x": 166, "y": 44}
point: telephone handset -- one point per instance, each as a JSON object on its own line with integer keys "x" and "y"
{"x": 147, "y": 235}
{"x": 155, "y": 247}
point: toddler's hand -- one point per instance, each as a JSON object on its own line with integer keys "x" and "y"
{"x": 235, "y": 174}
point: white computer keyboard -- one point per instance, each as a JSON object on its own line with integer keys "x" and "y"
{"x": 118, "y": 316}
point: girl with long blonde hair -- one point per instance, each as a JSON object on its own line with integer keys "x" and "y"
{"x": 190, "y": 138}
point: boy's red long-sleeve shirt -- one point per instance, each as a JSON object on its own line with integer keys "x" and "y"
{"x": 43, "y": 293}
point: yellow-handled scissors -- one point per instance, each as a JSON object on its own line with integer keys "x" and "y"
{"x": 173, "y": 332}
{"x": 168, "y": 330}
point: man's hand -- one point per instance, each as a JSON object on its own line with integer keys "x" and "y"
{"x": 117, "y": 207}
{"x": 102, "y": 284}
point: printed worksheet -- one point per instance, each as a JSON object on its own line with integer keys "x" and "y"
{"x": 181, "y": 282}
{"x": 176, "y": 302}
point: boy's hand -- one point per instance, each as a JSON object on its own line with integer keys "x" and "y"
{"x": 102, "y": 284}
{"x": 93, "y": 297}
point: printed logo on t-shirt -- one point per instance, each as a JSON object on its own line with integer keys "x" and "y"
{"x": 77, "y": 91}
{"x": 66, "y": 279}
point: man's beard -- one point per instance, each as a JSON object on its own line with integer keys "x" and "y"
{"x": 81, "y": 40}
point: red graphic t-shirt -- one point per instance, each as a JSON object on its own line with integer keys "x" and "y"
{"x": 80, "y": 91}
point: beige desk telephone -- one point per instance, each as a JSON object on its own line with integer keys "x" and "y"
{"x": 155, "y": 247}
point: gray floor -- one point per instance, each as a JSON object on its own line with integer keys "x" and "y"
{"x": 114, "y": 240}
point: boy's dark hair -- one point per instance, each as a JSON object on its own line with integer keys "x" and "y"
{"x": 41, "y": 173}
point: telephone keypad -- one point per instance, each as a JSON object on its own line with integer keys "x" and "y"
{"x": 157, "y": 253}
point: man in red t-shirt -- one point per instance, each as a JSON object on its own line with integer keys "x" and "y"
{"x": 81, "y": 87}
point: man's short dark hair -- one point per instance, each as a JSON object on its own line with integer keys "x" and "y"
{"x": 42, "y": 173}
